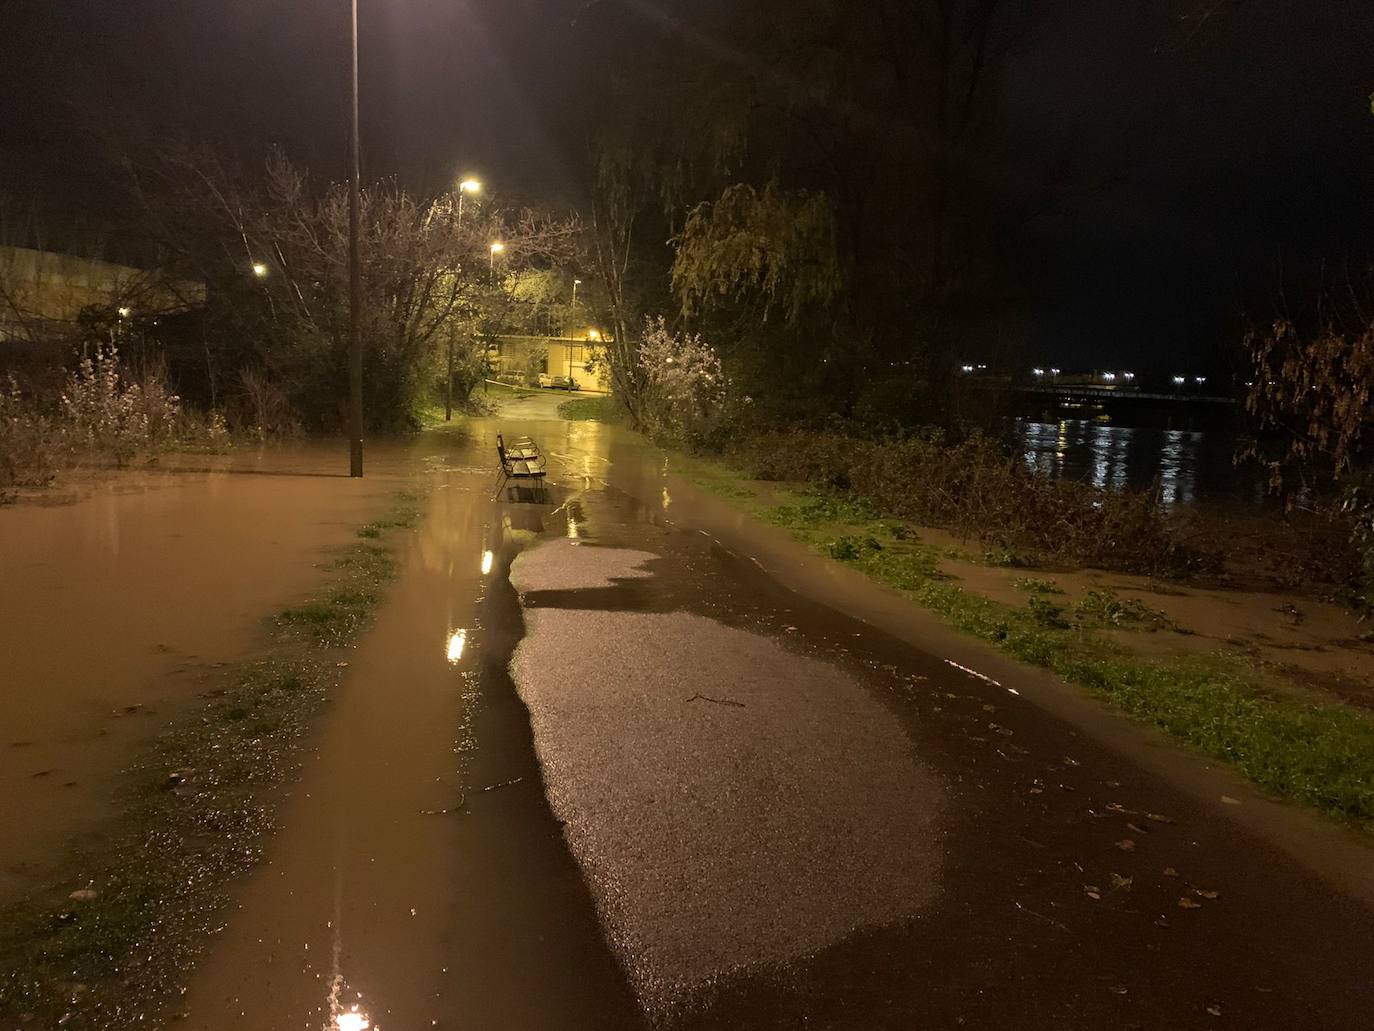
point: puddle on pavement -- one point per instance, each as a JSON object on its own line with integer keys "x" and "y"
{"x": 733, "y": 803}
{"x": 116, "y": 610}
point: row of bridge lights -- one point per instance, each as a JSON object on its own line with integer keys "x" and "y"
{"x": 1107, "y": 377}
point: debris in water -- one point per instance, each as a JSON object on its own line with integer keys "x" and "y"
{"x": 717, "y": 701}
{"x": 1187, "y": 903}
{"x": 503, "y": 784}
{"x": 83, "y": 895}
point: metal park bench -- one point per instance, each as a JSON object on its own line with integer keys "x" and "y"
{"x": 521, "y": 461}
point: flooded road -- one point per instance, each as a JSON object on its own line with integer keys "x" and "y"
{"x": 594, "y": 767}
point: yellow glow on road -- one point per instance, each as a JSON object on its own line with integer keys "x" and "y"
{"x": 487, "y": 559}
{"x": 457, "y": 641}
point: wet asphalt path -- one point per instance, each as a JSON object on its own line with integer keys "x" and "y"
{"x": 657, "y": 789}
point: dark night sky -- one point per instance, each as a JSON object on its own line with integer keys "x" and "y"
{"x": 1195, "y": 169}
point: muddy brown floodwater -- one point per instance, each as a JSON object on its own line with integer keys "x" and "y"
{"x": 114, "y": 606}
{"x": 593, "y": 767}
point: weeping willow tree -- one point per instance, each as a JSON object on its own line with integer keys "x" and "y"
{"x": 765, "y": 243}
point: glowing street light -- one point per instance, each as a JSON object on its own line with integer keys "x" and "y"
{"x": 1038, "y": 372}
{"x": 496, "y": 249}
{"x": 1180, "y": 380}
{"x": 966, "y": 369}
{"x": 464, "y": 188}
{"x": 1199, "y": 380}
{"x": 259, "y": 270}
{"x": 576, "y": 284}
{"x": 1109, "y": 377}
{"x": 124, "y": 313}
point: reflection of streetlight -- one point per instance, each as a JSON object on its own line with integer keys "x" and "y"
{"x": 259, "y": 270}
{"x": 496, "y": 249}
{"x": 487, "y": 559}
{"x": 464, "y": 188}
{"x": 456, "y": 642}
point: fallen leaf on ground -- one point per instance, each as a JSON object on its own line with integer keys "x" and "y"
{"x": 1162, "y": 922}
{"x": 1117, "y": 807}
{"x": 1187, "y": 903}
{"x": 1169, "y": 871}
{"x": 1126, "y": 845}
{"x": 82, "y": 895}
{"x": 1214, "y": 1010}
{"x": 1092, "y": 891}
{"x": 1122, "y": 882}
{"x": 1136, "y": 828}
{"x": 1158, "y": 818}
{"x": 1204, "y": 893}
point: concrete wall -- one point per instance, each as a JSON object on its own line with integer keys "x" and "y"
{"x": 43, "y": 290}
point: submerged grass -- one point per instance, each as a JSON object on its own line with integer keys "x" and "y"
{"x": 110, "y": 946}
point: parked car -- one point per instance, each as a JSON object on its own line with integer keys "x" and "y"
{"x": 564, "y": 383}
{"x": 544, "y": 380}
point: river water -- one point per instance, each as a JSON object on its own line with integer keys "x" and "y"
{"x": 1190, "y": 466}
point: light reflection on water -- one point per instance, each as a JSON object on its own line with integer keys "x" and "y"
{"x": 1189, "y": 466}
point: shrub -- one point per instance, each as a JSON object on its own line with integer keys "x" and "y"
{"x": 28, "y": 442}
{"x": 976, "y": 489}
{"x": 102, "y": 410}
{"x": 687, "y": 398}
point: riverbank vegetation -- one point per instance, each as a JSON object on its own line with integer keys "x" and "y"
{"x": 109, "y": 946}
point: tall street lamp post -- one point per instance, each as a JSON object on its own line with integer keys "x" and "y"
{"x": 355, "y": 287}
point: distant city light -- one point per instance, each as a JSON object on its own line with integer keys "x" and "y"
{"x": 1180, "y": 380}
{"x": 259, "y": 270}
{"x": 967, "y": 368}
{"x": 1110, "y": 377}
{"x": 1199, "y": 379}
{"x": 1054, "y": 372}
{"x": 981, "y": 368}
{"x": 1038, "y": 372}
{"x": 1128, "y": 375}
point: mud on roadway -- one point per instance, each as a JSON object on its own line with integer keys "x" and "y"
{"x": 595, "y": 767}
